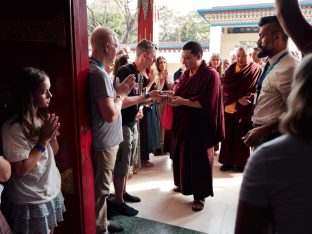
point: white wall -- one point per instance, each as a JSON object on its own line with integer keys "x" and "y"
{"x": 215, "y": 39}
{"x": 230, "y": 42}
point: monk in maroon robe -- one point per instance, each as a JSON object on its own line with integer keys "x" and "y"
{"x": 239, "y": 86}
{"x": 198, "y": 125}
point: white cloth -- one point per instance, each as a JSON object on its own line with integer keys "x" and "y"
{"x": 43, "y": 183}
{"x": 276, "y": 86}
{"x": 278, "y": 176}
{"x": 1, "y": 189}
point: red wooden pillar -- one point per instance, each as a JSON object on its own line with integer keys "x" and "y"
{"x": 52, "y": 35}
{"x": 145, "y": 19}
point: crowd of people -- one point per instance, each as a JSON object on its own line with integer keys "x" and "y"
{"x": 257, "y": 104}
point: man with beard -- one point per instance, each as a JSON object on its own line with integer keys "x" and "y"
{"x": 274, "y": 84}
{"x": 239, "y": 86}
{"x": 255, "y": 58}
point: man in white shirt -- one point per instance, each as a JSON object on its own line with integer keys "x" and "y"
{"x": 274, "y": 84}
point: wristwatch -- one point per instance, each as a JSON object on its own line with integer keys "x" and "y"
{"x": 147, "y": 96}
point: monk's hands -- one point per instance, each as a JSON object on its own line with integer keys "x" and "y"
{"x": 244, "y": 101}
{"x": 176, "y": 101}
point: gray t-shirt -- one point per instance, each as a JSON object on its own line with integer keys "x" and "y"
{"x": 278, "y": 176}
{"x": 104, "y": 135}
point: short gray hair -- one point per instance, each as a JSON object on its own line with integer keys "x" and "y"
{"x": 100, "y": 36}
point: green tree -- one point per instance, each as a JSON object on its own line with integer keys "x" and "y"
{"x": 116, "y": 14}
{"x": 121, "y": 16}
{"x": 187, "y": 27}
{"x": 194, "y": 27}
{"x": 168, "y": 25}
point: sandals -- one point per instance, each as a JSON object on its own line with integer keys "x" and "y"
{"x": 198, "y": 205}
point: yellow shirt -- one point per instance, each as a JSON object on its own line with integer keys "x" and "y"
{"x": 237, "y": 68}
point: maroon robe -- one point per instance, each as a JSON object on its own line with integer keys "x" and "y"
{"x": 196, "y": 130}
{"x": 235, "y": 86}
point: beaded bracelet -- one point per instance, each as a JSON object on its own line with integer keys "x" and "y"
{"x": 40, "y": 147}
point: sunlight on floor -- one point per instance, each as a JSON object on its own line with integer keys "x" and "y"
{"x": 159, "y": 203}
{"x": 162, "y": 185}
{"x": 234, "y": 181}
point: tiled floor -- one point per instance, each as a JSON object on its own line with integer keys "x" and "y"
{"x": 159, "y": 203}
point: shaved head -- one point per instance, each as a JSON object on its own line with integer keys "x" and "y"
{"x": 100, "y": 36}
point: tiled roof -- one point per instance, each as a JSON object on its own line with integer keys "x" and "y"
{"x": 246, "y": 15}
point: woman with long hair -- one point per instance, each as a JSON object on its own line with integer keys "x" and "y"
{"x": 29, "y": 140}
{"x": 163, "y": 79}
{"x": 164, "y": 82}
{"x": 149, "y": 124}
{"x": 216, "y": 63}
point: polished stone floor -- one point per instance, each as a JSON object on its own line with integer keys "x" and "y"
{"x": 159, "y": 203}
{"x": 137, "y": 225}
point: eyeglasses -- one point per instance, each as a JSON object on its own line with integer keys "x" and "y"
{"x": 116, "y": 46}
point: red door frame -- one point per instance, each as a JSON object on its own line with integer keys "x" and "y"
{"x": 52, "y": 35}
{"x": 145, "y": 19}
